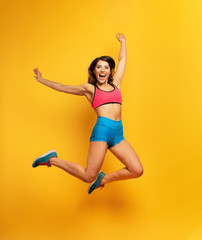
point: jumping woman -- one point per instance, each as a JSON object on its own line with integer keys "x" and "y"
{"x": 103, "y": 91}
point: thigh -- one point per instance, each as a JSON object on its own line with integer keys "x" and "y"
{"x": 96, "y": 155}
{"x": 127, "y": 155}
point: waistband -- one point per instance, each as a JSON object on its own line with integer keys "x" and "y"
{"x": 109, "y": 122}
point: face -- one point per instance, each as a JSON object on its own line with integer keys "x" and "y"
{"x": 102, "y": 71}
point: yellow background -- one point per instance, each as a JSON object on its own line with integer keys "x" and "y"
{"x": 162, "y": 116}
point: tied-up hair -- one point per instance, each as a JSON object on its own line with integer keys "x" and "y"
{"x": 92, "y": 78}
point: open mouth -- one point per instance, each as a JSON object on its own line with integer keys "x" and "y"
{"x": 102, "y": 75}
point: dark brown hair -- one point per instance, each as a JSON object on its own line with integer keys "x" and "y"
{"x": 92, "y": 78}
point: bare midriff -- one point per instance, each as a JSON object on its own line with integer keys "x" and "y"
{"x": 110, "y": 110}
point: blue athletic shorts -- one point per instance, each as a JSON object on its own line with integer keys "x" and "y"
{"x": 107, "y": 130}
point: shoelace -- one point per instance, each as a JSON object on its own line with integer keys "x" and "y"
{"x": 102, "y": 186}
{"x": 48, "y": 164}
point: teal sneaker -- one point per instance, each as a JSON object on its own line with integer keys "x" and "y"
{"x": 44, "y": 159}
{"x": 96, "y": 183}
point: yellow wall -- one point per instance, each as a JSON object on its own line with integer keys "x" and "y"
{"x": 162, "y": 119}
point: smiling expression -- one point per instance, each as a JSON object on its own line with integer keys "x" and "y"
{"x": 102, "y": 71}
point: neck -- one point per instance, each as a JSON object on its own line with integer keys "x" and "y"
{"x": 105, "y": 84}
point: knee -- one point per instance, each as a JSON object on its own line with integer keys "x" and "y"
{"x": 137, "y": 172}
{"x": 140, "y": 171}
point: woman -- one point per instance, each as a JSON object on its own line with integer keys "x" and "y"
{"x": 103, "y": 92}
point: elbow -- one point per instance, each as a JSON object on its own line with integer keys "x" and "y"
{"x": 124, "y": 58}
{"x": 62, "y": 88}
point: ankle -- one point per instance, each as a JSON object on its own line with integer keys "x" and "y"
{"x": 103, "y": 180}
{"x": 53, "y": 160}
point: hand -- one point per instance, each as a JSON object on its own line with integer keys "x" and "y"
{"x": 38, "y": 74}
{"x": 121, "y": 37}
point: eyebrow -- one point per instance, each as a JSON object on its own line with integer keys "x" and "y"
{"x": 104, "y": 65}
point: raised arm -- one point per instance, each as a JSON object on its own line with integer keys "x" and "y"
{"x": 81, "y": 90}
{"x": 118, "y": 76}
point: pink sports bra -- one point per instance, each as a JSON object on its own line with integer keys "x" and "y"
{"x": 102, "y": 97}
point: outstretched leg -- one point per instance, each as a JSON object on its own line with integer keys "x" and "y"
{"x": 127, "y": 155}
{"x": 96, "y": 155}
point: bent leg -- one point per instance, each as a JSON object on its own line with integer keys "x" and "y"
{"x": 127, "y": 155}
{"x": 96, "y": 155}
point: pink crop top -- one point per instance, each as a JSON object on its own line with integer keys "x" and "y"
{"x": 102, "y": 97}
